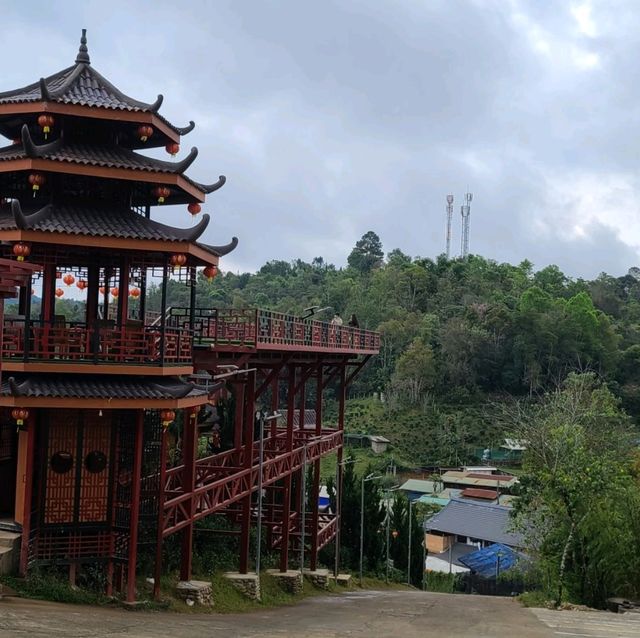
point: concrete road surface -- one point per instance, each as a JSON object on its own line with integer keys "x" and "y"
{"x": 370, "y": 614}
{"x": 590, "y": 624}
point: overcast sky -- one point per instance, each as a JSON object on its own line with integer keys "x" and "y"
{"x": 333, "y": 118}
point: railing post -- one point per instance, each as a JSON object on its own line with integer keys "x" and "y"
{"x": 27, "y": 317}
{"x": 163, "y": 311}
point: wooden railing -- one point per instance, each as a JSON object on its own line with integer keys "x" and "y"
{"x": 34, "y": 340}
{"x": 253, "y": 329}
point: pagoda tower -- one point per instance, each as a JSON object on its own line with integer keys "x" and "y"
{"x": 91, "y": 395}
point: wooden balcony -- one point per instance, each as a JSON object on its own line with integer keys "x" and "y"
{"x": 30, "y": 342}
{"x": 254, "y": 329}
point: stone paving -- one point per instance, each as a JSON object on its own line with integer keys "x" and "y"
{"x": 368, "y": 614}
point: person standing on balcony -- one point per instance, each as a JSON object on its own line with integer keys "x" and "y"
{"x": 353, "y": 322}
{"x": 337, "y": 319}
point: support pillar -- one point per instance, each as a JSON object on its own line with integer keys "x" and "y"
{"x": 162, "y": 482}
{"x": 249, "y": 421}
{"x": 27, "y": 478}
{"x": 189, "y": 450}
{"x": 315, "y": 491}
{"x": 286, "y": 492}
{"x": 134, "y": 512}
{"x": 340, "y": 468}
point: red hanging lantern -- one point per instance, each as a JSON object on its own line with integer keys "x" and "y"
{"x": 102, "y": 289}
{"x": 210, "y": 272}
{"x": 161, "y": 192}
{"x": 194, "y": 208}
{"x": 68, "y": 279}
{"x": 59, "y": 292}
{"x": 46, "y": 122}
{"x": 82, "y": 284}
{"x": 173, "y": 148}
{"x": 144, "y": 132}
{"x": 20, "y": 415}
{"x": 36, "y": 180}
{"x": 134, "y": 292}
{"x": 114, "y": 292}
{"x": 178, "y": 260}
{"x": 21, "y": 250}
{"x": 167, "y": 417}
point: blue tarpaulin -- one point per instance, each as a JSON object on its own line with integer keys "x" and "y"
{"x": 490, "y": 561}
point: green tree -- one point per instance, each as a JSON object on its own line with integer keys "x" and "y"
{"x": 367, "y": 253}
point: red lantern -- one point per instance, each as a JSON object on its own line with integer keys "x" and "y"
{"x": 68, "y": 279}
{"x": 46, "y": 122}
{"x": 59, "y": 292}
{"x": 134, "y": 292}
{"x": 194, "y": 208}
{"x": 20, "y": 415}
{"x": 36, "y": 180}
{"x": 102, "y": 289}
{"x": 161, "y": 192}
{"x": 210, "y": 272}
{"x": 21, "y": 250}
{"x": 144, "y": 132}
{"x": 172, "y": 148}
{"x": 167, "y": 417}
{"x": 82, "y": 284}
{"x": 178, "y": 260}
{"x": 114, "y": 292}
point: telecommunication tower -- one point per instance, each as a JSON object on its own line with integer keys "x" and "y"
{"x": 465, "y": 211}
{"x": 449, "y": 216}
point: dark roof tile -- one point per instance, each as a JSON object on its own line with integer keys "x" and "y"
{"x": 98, "y": 387}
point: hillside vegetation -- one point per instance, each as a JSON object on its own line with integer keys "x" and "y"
{"x": 458, "y": 336}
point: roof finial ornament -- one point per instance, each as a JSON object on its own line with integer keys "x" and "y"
{"x": 83, "y": 51}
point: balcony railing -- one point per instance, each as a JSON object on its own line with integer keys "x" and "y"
{"x": 75, "y": 342}
{"x": 253, "y": 329}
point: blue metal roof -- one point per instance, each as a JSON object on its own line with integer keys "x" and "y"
{"x": 490, "y": 561}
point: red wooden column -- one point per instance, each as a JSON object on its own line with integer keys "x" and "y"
{"x": 134, "y": 513}
{"x": 48, "y": 292}
{"x": 123, "y": 295}
{"x": 271, "y": 490}
{"x": 238, "y": 395}
{"x": 286, "y": 492}
{"x": 315, "y": 514}
{"x": 189, "y": 450}
{"x": 340, "y": 467}
{"x": 298, "y": 495}
{"x": 28, "y": 491}
{"x": 249, "y": 420}
{"x": 162, "y": 483}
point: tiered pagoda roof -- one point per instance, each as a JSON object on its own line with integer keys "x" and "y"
{"x": 81, "y": 85}
{"x": 85, "y": 150}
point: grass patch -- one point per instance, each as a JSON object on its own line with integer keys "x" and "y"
{"x": 51, "y": 587}
{"x": 534, "y": 599}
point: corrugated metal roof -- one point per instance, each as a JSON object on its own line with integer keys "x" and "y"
{"x": 98, "y": 387}
{"x": 418, "y": 485}
{"x": 476, "y": 520}
{"x": 474, "y": 492}
{"x": 478, "y": 480}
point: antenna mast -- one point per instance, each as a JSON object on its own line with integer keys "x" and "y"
{"x": 449, "y": 215}
{"x": 465, "y": 211}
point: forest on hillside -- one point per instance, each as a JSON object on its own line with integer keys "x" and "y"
{"x": 458, "y": 336}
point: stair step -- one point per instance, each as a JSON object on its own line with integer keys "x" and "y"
{"x": 8, "y": 559}
{"x": 9, "y": 540}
